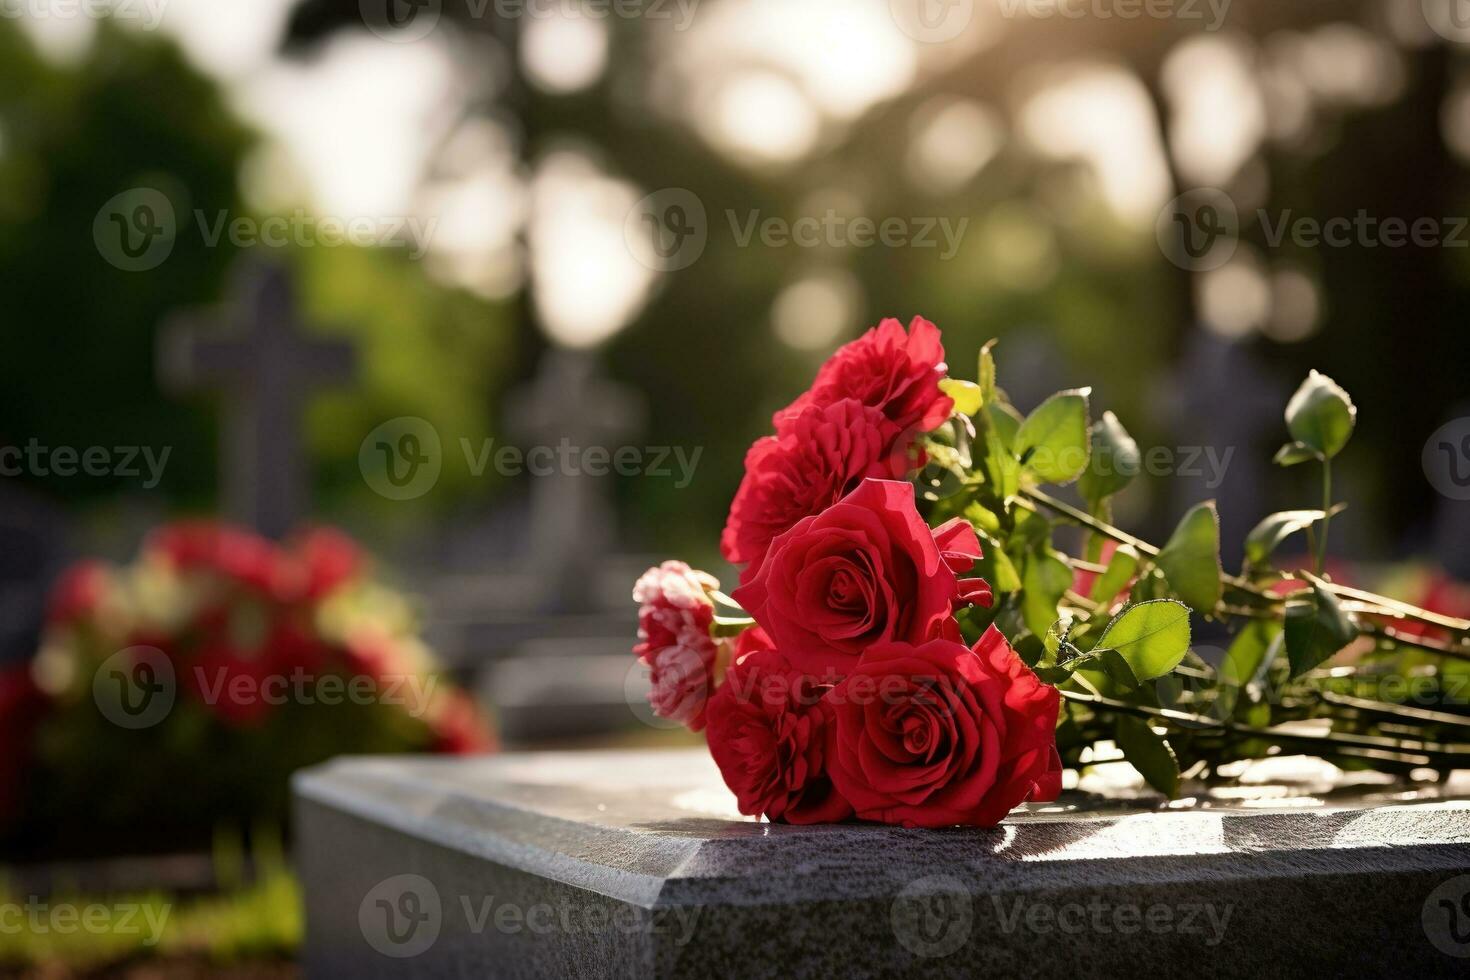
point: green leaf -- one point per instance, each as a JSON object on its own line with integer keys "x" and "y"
{"x": 1151, "y": 637}
{"x": 982, "y": 517}
{"x": 1248, "y": 651}
{"x": 1190, "y": 560}
{"x": 987, "y": 374}
{"x": 1001, "y": 470}
{"x": 1044, "y": 581}
{"x": 1316, "y": 628}
{"x": 1148, "y": 752}
{"x": 1267, "y": 536}
{"x": 1121, "y": 568}
{"x": 1005, "y": 420}
{"x": 995, "y": 566}
{"x": 966, "y": 394}
{"x": 1321, "y": 416}
{"x": 1114, "y": 462}
{"x": 1293, "y": 453}
{"x": 1053, "y": 441}
{"x": 1116, "y": 668}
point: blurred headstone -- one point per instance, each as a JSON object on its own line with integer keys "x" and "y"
{"x": 548, "y": 624}
{"x": 570, "y": 406}
{"x": 255, "y": 352}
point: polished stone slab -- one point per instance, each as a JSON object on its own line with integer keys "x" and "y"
{"x": 636, "y": 864}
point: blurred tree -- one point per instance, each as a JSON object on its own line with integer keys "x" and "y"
{"x": 1098, "y": 303}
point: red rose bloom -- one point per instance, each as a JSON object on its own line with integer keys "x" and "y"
{"x": 895, "y": 372}
{"x": 820, "y": 457}
{"x": 78, "y": 593}
{"x": 328, "y": 560}
{"x": 935, "y": 734}
{"x": 458, "y": 727}
{"x": 770, "y": 733}
{"x": 229, "y": 551}
{"x": 674, "y": 619}
{"x": 865, "y": 570}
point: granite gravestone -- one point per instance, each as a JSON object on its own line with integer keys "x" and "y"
{"x": 635, "y": 864}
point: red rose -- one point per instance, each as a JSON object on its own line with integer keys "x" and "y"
{"x": 770, "y": 732}
{"x": 458, "y": 727}
{"x": 328, "y": 559}
{"x": 895, "y": 372}
{"x": 936, "y": 734}
{"x": 820, "y": 457}
{"x": 78, "y": 593}
{"x": 865, "y": 570}
{"x": 674, "y": 620}
{"x": 233, "y": 552}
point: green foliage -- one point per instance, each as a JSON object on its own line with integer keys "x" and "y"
{"x": 1316, "y": 628}
{"x": 1114, "y": 462}
{"x": 1190, "y": 560}
{"x": 1118, "y": 665}
{"x": 1121, "y": 569}
{"x": 1148, "y": 752}
{"x": 1268, "y": 535}
{"x": 1052, "y": 443}
{"x": 1321, "y": 416}
{"x": 1150, "y": 637}
{"x": 1044, "y": 581}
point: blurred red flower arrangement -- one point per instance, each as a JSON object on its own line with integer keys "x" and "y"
{"x": 204, "y": 673}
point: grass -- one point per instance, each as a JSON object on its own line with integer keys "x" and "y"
{"x": 253, "y": 920}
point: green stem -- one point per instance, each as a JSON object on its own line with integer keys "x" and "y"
{"x": 1390, "y": 608}
{"x": 1327, "y": 510}
{"x": 1328, "y": 743}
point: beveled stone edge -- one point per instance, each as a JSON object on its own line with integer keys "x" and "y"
{"x": 335, "y": 785}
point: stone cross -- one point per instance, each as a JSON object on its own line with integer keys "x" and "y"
{"x": 566, "y": 408}
{"x": 266, "y": 368}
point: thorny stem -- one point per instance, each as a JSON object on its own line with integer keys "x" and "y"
{"x": 1382, "y": 605}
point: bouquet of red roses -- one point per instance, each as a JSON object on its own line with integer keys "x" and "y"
{"x": 908, "y": 644}
{"x": 853, "y": 691}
